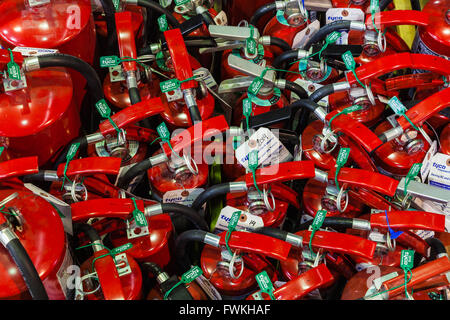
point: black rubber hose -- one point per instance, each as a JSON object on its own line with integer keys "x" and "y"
{"x": 286, "y": 56}
{"x": 437, "y": 247}
{"x": 194, "y": 113}
{"x": 81, "y": 150}
{"x": 153, "y": 268}
{"x": 109, "y": 10}
{"x": 304, "y": 103}
{"x": 94, "y": 84}
{"x": 27, "y": 269}
{"x": 135, "y": 96}
{"x": 262, "y": 11}
{"x": 322, "y": 92}
{"x": 133, "y": 172}
{"x": 187, "y": 212}
{"x": 181, "y": 244}
{"x": 297, "y": 89}
{"x": 207, "y": 19}
{"x": 385, "y": 3}
{"x": 326, "y": 30}
{"x": 40, "y": 176}
{"x": 210, "y": 193}
{"x": 332, "y": 222}
{"x": 88, "y": 231}
{"x": 272, "y": 232}
{"x": 158, "y": 8}
{"x": 280, "y": 43}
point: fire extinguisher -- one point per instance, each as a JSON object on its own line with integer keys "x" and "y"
{"x": 166, "y": 288}
{"x": 299, "y": 287}
{"x": 445, "y": 140}
{"x": 67, "y": 27}
{"x": 108, "y": 274}
{"x": 168, "y": 169}
{"x": 220, "y": 266}
{"x": 42, "y": 257}
{"x": 151, "y": 239}
{"x": 53, "y": 114}
{"x": 389, "y": 282}
{"x": 291, "y": 17}
{"x": 126, "y": 83}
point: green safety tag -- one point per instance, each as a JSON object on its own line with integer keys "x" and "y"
{"x": 169, "y": 85}
{"x": 191, "y": 275}
{"x": 303, "y": 65}
{"x": 163, "y": 131}
{"x": 352, "y": 109}
{"x": 256, "y": 85}
{"x": 247, "y": 107}
{"x": 180, "y": 2}
{"x": 234, "y": 220}
{"x": 103, "y": 108}
{"x": 374, "y": 5}
{"x": 318, "y": 219}
{"x": 251, "y": 46}
{"x": 72, "y": 151}
{"x": 13, "y": 70}
{"x": 116, "y": 4}
{"x": 121, "y": 249}
{"x": 162, "y": 23}
{"x": 109, "y": 61}
{"x": 414, "y": 171}
{"x": 332, "y": 37}
{"x": 397, "y": 106}
{"x": 264, "y": 283}
{"x": 343, "y": 156}
{"x": 1, "y": 150}
{"x": 253, "y": 160}
{"x": 347, "y": 57}
{"x": 407, "y": 259}
{"x": 139, "y": 217}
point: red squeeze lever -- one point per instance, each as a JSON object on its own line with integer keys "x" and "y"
{"x": 132, "y": 114}
{"x": 355, "y": 130}
{"x": 399, "y": 61}
{"x": 308, "y": 281}
{"x": 340, "y": 243}
{"x": 111, "y": 208}
{"x": 366, "y": 179}
{"x": 282, "y": 172}
{"x": 18, "y": 167}
{"x": 196, "y": 134}
{"x": 108, "y": 276}
{"x": 91, "y": 166}
{"x": 125, "y": 37}
{"x": 180, "y": 57}
{"x": 257, "y": 243}
{"x": 398, "y": 17}
{"x": 406, "y": 220}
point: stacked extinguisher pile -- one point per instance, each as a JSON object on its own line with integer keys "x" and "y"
{"x": 217, "y": 150}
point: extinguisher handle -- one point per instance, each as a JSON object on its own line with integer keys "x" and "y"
{"x": 340, "y": 242}
{"x": 108, "y": 276}
{"x": 18, "y": 167}
{"x": 257, "y": 243}
{"x": 282, "y": 172}
{"x": 303, "y": 284}
{"x": 358, "y": 155}
{"x": 411, "y": 240}
{"x": 426, "y": 108}
{"x": 399, "y": 61}
{"x": 366, "y": 179}
{"x": 180, "y": 57}
{"x": 419, "y": 274}
{"x": 406, "y": 220}
{"x": 126, "y": 40}
{"x": 132, "y": 115}
{"x": 90, "y": 166}
{"x": 355, "y": 130}
{"x": 398, "y": 17}
{"x": 99, "y": 184}
{"x": 140, "y": 134}
{"x": 196, "y": 134}
{"x": 110, "y": 208}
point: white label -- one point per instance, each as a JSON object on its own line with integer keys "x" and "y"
{"x": 439, "y": 175}
{"x": 303, "y": 36}
{"x": 62, "y": 275}
{"x": 270, "y": 149}
{"x": 426, "y": 164}
{"x": 34, "y": 52}
{"x": 247, "y": 221}
{"x": 182, "y": 196}
{"x": 424, "y": 234}
{"x": 309, "y": 87}
{"x": 206, "y": 77}
{"x": 221, "y": 19}
{"x": 34, "y": 3}
{"x": 350, "y": 14}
